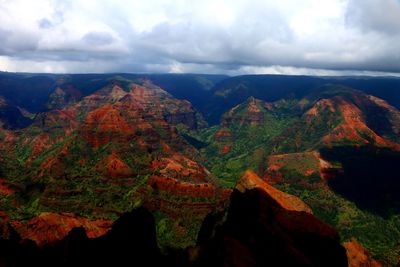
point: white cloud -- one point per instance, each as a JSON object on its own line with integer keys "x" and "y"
{"x": 218, "y": 36}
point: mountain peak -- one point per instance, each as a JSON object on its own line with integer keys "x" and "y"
{"x": 251, "y": 112}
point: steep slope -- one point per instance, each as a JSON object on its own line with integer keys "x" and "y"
{"x": 337, "y": 149}
{"x": 108, "y": 153}
{"x": 196, "y": 88}
{"x": 100, "y": 145}
{"x": 266, "y": 227}
{"x": 334, "y": 116}
{"x": 234, "y": 90}
{"x": 12, "y": 117}
{"x": 358, "y": 256}
{"x": 28, "y": 91}
{"x": 262, "y": 227}
{"x": 159, "y": 103}
{"x": 40, "y": 92}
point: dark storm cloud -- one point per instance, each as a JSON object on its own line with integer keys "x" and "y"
{"x": 217, "y": 36}
{"x": 382, "y": 16}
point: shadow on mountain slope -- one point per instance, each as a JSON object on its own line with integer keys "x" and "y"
{"x": 369, "y": 177}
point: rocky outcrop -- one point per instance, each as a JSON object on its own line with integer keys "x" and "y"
{"x": 63, "y": 96}
{"x": 160, "y": 104}
{"x": 223, "y": 135}
{"x": 106, "y": 124}
{"x": 11, "y": 116}
{"x": 64, "y": 119}
{"x": 249, "y": 180}
{"x": 249, "y": 113}
{"x": 267, "y": 227}
{"x": 354, "y": 128}
{"x": 108, "y": 94}
{"x": 181, "y": 168}
{"x": 115, "y": 167}
{"x": 48, "y": 228}
{"x": 358, "y": 256}
{"x": 179, "y": 188}
{"x": 130, "y": 239}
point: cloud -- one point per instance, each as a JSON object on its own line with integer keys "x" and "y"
{"x": 381, "y": 16}
{"x": 214, "y": 36}
{"x": 45, "y": 23}
{"x": 98, "y": 38}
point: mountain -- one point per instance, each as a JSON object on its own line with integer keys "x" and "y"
{"x": 335, "y": 115}
{"x": 196, "y": 88}
{"x": 319, "y": 157}
{"x": 235, "y": 90}
{"x": 40, "y": 92}
{"x": 337, "y": 149}
{"x": 12, "y": 117}
{"x": 113, "y": 150}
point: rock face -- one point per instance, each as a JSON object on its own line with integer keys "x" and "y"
{"x": 130, "y": 239}
{"x": 249, "y": 180}
{"x": 48, "y": 228}
{"x": 106, "y": 124}
{"x": 358, "y": 256}
{"x": 61, "y": 97}
{"x": 354, "y": 127}
{"x": 157, "y": 102}
{"x": 250, "y": 113}
{"x": 12, "y": 117}
{"x": 108, "y": 94}
{"x": 115, "y": 167}
{"x": 266, "y": 227}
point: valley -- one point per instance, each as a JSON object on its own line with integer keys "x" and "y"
{"x": 320, "y": 155}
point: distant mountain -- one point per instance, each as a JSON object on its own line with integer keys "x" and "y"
{"x": 40, "y": 92}
{"x": 233, "y": 91}
{"x": 13, "y": 117}
{"x": 197, "y": 88}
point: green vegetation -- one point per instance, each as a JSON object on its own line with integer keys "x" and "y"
{"x": 68, "y": 174}
{"x": 379, "y": 235}
{"x": 176, "y": 233}
{"x": 285, "y": 128}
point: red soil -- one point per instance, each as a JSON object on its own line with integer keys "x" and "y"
{"x": 4, "y": 189}
{"x": 222, "y": 134}
{"x": 180, "y": 167}
{"x": 48, "y": 228}
{"x": 226, "y": 149}
{"x": 106, "y": 124}
{"x": 180, "y": 188}
{"x": 357, "y": 255}
{"x": 249, "y": 180}
{"x": 116, "y": 167}
{"x": 354, "y": 127}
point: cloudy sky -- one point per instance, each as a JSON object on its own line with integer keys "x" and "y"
{"x": 316, "y": 37}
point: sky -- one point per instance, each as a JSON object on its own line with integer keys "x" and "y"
{"x": 312, "y": 37}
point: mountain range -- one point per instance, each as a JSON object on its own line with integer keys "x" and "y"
{"x": 234, "y": 171}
